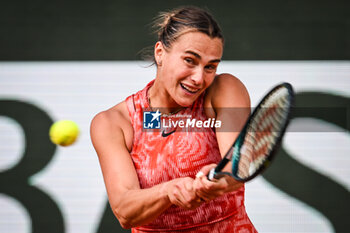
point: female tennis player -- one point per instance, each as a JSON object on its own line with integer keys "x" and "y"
{"x": 150, "y": 176}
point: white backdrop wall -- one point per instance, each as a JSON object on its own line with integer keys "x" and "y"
{"x": 79, "y": 90}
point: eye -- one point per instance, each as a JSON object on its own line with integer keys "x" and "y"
{"x": 210, "y": 68}
{"x": 189, "y": 60}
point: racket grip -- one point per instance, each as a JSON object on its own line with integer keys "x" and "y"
{"x": 216, "y": 173}
{"x": 211, "y": 174}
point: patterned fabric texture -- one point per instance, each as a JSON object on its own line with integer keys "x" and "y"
{"x": 158, "y": 159}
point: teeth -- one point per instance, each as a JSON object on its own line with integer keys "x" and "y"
{"x": 189, "y": 88}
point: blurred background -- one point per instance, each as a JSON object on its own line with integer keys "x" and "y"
{"x": 73, "y": 59}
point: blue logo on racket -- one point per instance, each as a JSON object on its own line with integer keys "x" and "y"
{"x": 151, "y": 120}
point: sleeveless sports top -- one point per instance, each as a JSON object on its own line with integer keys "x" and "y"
{"x": 158, "y": 159}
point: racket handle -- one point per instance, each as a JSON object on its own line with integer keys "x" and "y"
{"x": 215, "y": 173}
{"x": 211, "y": 174}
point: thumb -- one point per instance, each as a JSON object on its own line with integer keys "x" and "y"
{"x": 205, "y": 170}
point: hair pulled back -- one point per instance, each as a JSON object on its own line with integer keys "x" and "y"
{"x": 174, "y": 23}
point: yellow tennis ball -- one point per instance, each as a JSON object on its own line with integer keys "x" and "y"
{"x": 64, "y": 132}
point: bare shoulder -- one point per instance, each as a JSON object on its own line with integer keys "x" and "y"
{"x": 227, "y": 91}
{"x": 111, "y": 118}
{"x": 112, "y": 123}
{"x": 228, "y": 101}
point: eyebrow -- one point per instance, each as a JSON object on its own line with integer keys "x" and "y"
{"x": 199, "y": 57}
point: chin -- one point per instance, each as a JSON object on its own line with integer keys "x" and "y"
{"x": 186, "y": 103}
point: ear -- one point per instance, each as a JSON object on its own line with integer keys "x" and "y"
{"x": 158, "y": 53}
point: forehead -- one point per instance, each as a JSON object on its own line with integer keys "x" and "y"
{"x": 200, "y": 43}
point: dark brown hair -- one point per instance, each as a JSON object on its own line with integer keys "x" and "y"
{"x": 174, "y": 23}
{"x": 170, "y": 25}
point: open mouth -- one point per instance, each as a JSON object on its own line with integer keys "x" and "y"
{"x": 189, "y": 89}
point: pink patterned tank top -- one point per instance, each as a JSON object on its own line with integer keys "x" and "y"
{"x": 158, "y": 159}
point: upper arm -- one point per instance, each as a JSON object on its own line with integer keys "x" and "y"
{"x": 228, "y": 91}
{"x": 231, "y": 103}
{"x": 109, "y": 141}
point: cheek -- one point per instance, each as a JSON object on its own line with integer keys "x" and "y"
{"x": 177, "y": 67}
{"x": 183, "y": 73}
{"x": 172, "y": 68}
{"x": 178, "y": 73}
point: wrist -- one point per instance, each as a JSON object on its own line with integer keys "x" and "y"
{"x": 163, "y": 191}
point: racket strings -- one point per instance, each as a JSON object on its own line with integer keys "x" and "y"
{"x": 263, "y": 132}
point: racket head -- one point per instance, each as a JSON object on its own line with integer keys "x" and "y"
{"x": 259, "y": 140}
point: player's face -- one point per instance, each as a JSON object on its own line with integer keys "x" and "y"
{"x": 189, "y": 66}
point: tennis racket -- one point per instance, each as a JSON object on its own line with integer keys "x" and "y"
{"x": 260, "y": 137}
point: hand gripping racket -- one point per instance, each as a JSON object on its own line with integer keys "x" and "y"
{"x": 260, "y": 137}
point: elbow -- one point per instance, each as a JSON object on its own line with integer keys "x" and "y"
{"x": 125, "y": 224}
{"x": 124, "y": 221}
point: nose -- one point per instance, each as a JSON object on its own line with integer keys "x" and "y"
{"x": 197, "y": 77}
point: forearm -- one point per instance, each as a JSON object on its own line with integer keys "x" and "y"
{"x": 140, "y": 206}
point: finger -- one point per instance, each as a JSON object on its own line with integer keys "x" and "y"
{"x": 210, "y": 191}
{"x": 204, "y": 198}
{"x": 175, "y": 201}
{"x": 187, "y": 196}
{"x": 201, "y": 185}
{"x": 204, "y": 194}
{"x": 214, "y": 185}
{"x": 205, "y": 170}
{"x": 189, "y": 186}
{"x": 197, "y": 184}
{"x": 200, "y": 174}
{"x": 181, "y": 202}
{"x": 198, "y": 188}
{"x": 182, "y": 197}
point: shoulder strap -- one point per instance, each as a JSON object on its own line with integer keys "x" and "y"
{"x": 130, "y": 104}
